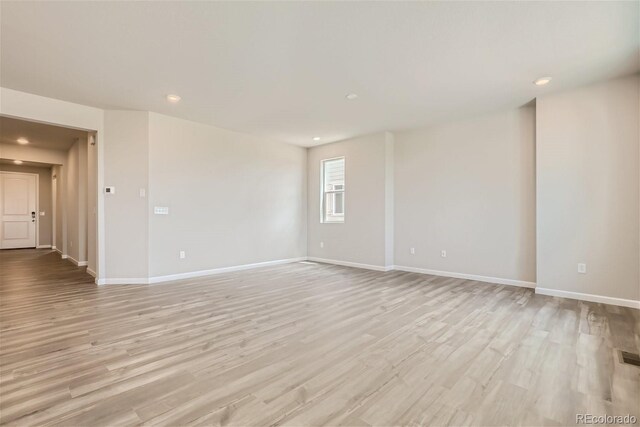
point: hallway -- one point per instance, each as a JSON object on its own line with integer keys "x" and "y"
{"x": 31, "y": 272}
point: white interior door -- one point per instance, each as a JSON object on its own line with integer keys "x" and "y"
{"x": 18, "y": 210}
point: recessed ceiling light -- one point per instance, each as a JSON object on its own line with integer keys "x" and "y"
{"x": 316, "y": 138}
{"x": 22, "y": 140}
{"x": 351, "y": 96}
{"x": 173, "y": 98}
{"x": 17, "y": 162}
{"x": 542, "y": 81}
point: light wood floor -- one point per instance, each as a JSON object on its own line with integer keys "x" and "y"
{"x": 303, "y": 344}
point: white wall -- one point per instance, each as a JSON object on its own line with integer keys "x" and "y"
{"x": 59, "y": 202}
{"x": 75, "y": 170}
{"x": 71, "y": 170}
{"x": 468, "y": 187}
{"x": 389, "y": 199}
{"x": 588, "y": 190}
{"x": 126, "y": 213}
{"x": 233, "y": 199}
{"x": 92, "y": 207}
{"x": 361, "y": 238}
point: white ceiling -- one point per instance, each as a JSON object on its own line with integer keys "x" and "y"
{"x": 40, "y": 135}
{"x": 282, "y": 69}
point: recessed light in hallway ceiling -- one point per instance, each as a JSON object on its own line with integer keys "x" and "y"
{"x": 173, "y": 98}
{"x": 542, "y": 81}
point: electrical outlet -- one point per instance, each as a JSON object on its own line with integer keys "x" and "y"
{"x": 143, "y": 192}
{"x": 321, "y": 244}
{"x": 582, "y": 268}
{"x": 183, "y": 255}
{"x": 413, "y": 251}
{"x": 443, "y": 254}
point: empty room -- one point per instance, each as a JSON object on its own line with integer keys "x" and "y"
{"x": 319, "y": 213}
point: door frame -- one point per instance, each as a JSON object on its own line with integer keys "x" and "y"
{"x": 37, "y": 177}
{"x": 40, "y": 109}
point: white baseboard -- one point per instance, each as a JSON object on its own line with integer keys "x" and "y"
{"x": 75, "y": 261}
{"x": 54, "y": 248}
{"x": 91, "y": 272}
{"x": 589, "y": 297}
{"x": 44, "y": 247}
{"x": 63, "y": 256}
{"x": 125, "y": 281}
{"x": 199, "y": 273}
{"x": 351, "y": 264}
{"x": 496, "y": 280}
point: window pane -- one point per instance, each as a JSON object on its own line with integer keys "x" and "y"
{"x": 338, "y": 203}
{"x": 333, "y": 190}
{"x": 333, "y": 207}
{"x": 333, "y": 174}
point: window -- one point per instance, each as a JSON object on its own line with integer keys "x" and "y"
{"x": 332, "y": 202}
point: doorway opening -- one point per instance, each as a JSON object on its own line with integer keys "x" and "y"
{"x": 48, "y": 190}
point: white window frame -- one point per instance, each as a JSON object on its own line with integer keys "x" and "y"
{"x": 323, "y": 192}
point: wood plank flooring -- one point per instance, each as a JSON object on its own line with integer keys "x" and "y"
{"x": 303, "y": 344}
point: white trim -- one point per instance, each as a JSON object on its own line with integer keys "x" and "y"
{"x": 200, "y": 273}
{"x": 54, "y": 247}
{"x": 63, "y": 256}
{"x": 351, "y": 264}
{"x": 142, "y": 281}
{"x": 191, "y": 274}
{"x": 43, "y": 247}
{"x": 496, "y": 280}
{"x": 589, "y": 297}
{"x": 76, "y": 262}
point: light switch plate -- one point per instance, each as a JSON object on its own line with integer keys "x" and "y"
{"x": 582, "y": 268}
{"x": 42, "y": 213}
{"x": 161, "y": 210}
